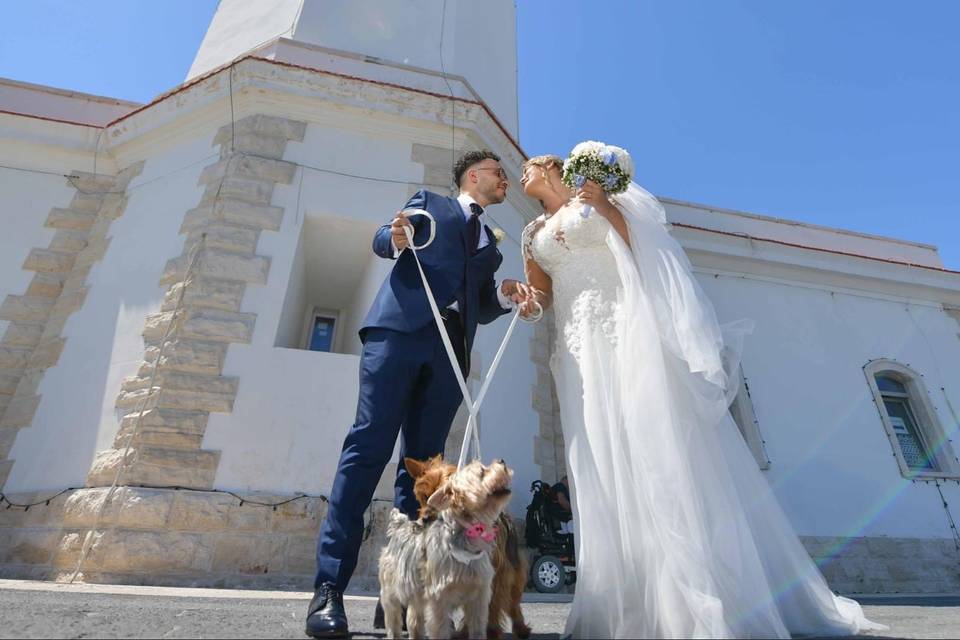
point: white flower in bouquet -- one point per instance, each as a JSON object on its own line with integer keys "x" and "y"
{"x": 624, "y": 161}
{"x": 609, "y": 166}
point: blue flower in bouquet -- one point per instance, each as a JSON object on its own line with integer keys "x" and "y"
{"x": 607, "y": 165}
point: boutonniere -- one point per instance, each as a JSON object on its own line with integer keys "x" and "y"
{"x": 498, "y": 234}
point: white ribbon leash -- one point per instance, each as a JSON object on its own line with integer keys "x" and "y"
{"x": 473, "y": 407}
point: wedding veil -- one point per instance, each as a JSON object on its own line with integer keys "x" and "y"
{"x": 685, "y": 318}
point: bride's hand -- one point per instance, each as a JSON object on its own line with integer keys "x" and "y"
{"x": 593, "y": 194}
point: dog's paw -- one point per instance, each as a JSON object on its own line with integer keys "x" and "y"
{"x": 521, "y": 631}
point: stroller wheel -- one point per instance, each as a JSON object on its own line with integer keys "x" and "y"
{"x": 548, "y": 575}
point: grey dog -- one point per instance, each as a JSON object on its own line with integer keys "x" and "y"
{"x": 437, "y": 567}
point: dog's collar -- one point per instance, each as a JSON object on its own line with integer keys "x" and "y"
{"x": 464, "y": 556}
{"x": 471, "y": 535}
{"x": 479, "y": 531}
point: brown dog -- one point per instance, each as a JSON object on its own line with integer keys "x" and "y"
{"x": 509, "y": 565}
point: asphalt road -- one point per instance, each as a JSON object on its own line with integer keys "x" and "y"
{"x": 45, "y": 610}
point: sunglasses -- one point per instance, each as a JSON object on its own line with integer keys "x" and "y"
{"x": 500, "y": 172}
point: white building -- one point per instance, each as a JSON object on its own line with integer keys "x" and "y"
{"x": 165, "y": 266}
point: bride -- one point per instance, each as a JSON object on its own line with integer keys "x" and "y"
{"x": 678, "y": 532}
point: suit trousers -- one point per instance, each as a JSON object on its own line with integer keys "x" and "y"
{"x": 407, "y": 387}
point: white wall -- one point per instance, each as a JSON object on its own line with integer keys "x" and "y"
{"x": 294, "y": 407}
{"x": 76, "y": 417}
{"x": 832, "y": 465}
{"x": 290, "y": 329}
{"x": 25, "y": 201}
{"x": 376, "y": 270}
{"x": 340, "y": 266}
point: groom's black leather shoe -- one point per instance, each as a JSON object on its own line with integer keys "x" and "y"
{"x": 326, "y": 617}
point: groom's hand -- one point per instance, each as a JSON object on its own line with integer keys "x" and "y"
{"x": 397, "y": 233}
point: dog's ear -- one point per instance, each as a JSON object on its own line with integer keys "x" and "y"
{"x": 440, "y": 498}
{"x": 414, "y": 467}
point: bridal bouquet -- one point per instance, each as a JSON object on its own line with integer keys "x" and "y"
{"x": 609, "y": 166}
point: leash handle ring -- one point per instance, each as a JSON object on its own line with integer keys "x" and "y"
{"x": 409, "y": 213}
{"x": 536, "y": 317}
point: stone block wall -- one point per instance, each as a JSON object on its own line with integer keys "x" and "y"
{"x": 208, "y": 539}
{"x": 177, "y": 538}
{"x": 548, "y": 448}
{"x": 887, "y": 565}
{"x": 165, "y": 524}
{"x": 33, "y": 340}
{"x": 167, "y": 404}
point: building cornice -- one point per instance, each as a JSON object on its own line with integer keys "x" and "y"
{"x": 753, "y": 238}
{"x": 370, "y": 95}
{"x": 792, "y": 223}
{"x": 732, "y": 254}
{"x": 67, "y": 93}
{"x": 252, "y": 84}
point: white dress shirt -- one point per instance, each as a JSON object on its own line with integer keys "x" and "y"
{"x": 465, "y": 202}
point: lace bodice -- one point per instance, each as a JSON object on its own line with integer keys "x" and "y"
{"x": 573, "y": 251}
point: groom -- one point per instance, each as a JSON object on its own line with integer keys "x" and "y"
{"x": 407, "y": 384}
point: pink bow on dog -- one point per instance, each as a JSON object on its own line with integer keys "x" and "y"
{"x": 479, "y": 530}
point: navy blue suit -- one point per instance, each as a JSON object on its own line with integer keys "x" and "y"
{"x": 407, "y": 384}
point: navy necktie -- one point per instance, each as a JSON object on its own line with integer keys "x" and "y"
{"x": 474, "y": 227}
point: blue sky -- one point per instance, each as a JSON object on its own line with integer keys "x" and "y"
{"x": 842, "y": 113}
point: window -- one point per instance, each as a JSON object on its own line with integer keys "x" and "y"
{"x": 920, "y": 444}
{"x": 321, "y": 335}
{"x": 333, "y": 278}
{"x": 321, "y": 331}
{"x": 896, "y": 401}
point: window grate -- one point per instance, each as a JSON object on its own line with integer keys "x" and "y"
{"x": 897, "y": 404}
{"x": 920, "y": 442}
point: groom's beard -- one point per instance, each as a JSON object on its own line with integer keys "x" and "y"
{"x": 495, "y": 196}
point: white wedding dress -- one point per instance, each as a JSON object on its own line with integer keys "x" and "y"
{"x": 677, "y": 531}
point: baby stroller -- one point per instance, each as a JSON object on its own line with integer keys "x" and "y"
{"x": 552, "y": 565}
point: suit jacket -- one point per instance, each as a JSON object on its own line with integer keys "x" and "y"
{"x": 453, "y": 274}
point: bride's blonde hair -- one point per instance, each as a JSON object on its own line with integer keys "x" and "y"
{"x": 545, "y": 162}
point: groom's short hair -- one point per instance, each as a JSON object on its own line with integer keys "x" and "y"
{"x": 469, "y": 159}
